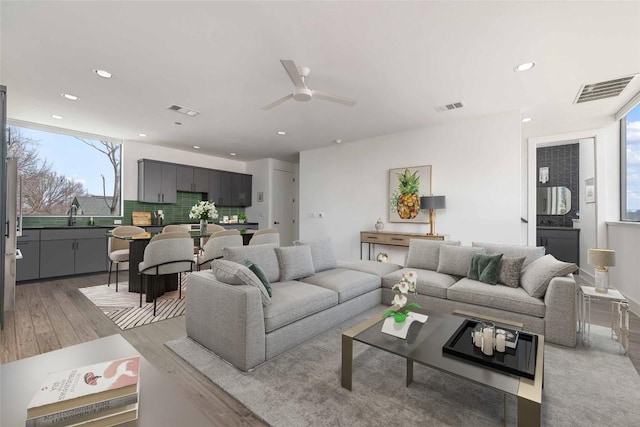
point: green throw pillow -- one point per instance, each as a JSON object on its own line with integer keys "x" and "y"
{"x": 260, "y": 273}
{"x": 484, "y": 268}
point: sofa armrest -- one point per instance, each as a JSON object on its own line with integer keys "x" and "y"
{"x": 560, "y": 316}
{"x": 227, "y": 319}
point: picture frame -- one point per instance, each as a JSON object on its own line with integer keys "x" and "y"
{"x": 590, "y": 190}
{"x": 406, "y": 186}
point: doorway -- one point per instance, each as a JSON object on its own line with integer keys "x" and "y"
{"x": 283, "y": 205}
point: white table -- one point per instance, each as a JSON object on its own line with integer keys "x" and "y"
{"x": 621, "y": 325}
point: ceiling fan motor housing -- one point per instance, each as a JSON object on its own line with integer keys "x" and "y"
{"x": 302, "y": 94}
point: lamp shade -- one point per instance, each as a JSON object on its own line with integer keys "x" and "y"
{"x": 602, "y": 257}
{"x": 432, "y": 202}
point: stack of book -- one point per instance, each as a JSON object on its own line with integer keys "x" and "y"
{"x": 102, "y": 394}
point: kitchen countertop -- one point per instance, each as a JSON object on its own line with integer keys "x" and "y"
{"x": 547, "y": 227}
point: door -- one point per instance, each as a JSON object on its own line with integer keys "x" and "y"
{"x": 91, "y": 255}
{"x": 283, "y": 206}
{"x": 169, "y": 183}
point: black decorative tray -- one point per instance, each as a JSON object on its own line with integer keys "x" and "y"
{"x": 520, "y": 361}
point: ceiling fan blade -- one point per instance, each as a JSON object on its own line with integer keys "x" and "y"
{"x": 278, "y": 102}
{"x": 292, "y": 70}
{"x": 333, "y": 98}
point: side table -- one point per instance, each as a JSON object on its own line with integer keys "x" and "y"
{"x": 618, "y": 301}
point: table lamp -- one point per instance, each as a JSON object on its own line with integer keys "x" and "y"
{"x": 602, "y": 258}
{"x": 432, "y": 203}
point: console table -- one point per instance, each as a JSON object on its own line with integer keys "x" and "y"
{"x": 393, "y": 238}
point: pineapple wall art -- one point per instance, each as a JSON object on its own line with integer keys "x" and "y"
{"x": 406, "y": 186}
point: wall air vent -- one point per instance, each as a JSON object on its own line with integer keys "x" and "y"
{"x": 602, "y": 90}
{"x": 447, "y": 107}
{"x": 184, "y": 110}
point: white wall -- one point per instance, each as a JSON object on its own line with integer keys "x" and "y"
{"x": 587, "y": 221}
{"x": 134, "y": 151}
{"x": 624, "y": 238}
{"x": 476, "y": 164}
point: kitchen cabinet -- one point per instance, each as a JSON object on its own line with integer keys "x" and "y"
{"x": 240, "y": 190}
{"x": 220, "y": 187}
{"x": 157, "y": 182}
{"x": 192, "y": 179}
{"x": 64, "y": 252}
{"x": 28, "y": 268}
{"x": 562, "y": 243}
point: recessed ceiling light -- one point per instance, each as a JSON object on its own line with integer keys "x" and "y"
{"x": 338, "y": 141}
{"x": 196, "y": 147}
{"x": 70, "y": 97}
{"x": 281, "y": 132}
{"x": 142, "y": 134}
{"x": 525, "y": 66}
{"x": 233, "y": 154}
{"x": 102, "y": 73}
{"x": 526, "y": 119}
{"x": 57, "y": 117}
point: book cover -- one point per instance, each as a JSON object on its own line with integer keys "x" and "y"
{"x": 85, "y": 385}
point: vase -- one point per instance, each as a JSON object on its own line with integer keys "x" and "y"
{"x": 379, "y": 225}
{"x": 203, "y": 226}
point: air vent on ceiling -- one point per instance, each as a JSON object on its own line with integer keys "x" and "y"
{"x": 184, "y": 110}
{"x": 447, "y": 107}
{"x": 608, "y": 89}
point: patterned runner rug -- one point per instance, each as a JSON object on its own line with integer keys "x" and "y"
{"x": 123, "y": 309}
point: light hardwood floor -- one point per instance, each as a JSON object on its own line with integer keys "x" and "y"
{"x": 53, "y": 314}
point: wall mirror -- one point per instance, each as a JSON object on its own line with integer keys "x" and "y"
{"x": 553, "y": 200}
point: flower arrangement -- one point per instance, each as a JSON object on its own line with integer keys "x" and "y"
{"x": 406, "y": 284}
{"x": 203, "y": 210}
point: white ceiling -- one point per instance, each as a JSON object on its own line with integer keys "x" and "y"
{"x": 398, "y": 59}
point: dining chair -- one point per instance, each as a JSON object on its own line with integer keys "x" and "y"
{"x": 266, "y": 235}
{"x": 166, "y": 253}
{"x": 213, "y": 248}
{"x": 118, "y": 247}
{"x": 174, "y": 227}
{"x": 211, "y": 229}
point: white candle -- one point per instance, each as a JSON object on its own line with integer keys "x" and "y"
{"x": 487, "y": 341}
{"x": 500, "y": 342}
{"x": 477, "y": 338}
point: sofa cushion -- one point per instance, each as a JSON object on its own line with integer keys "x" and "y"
{"x": 428, "y": 282}
{"x": 324, "y": 258}
{"x": 262, "y": 255}
{"x": 456, "y": 260}
{"x": 296, "y": 300}
{"x": 233, "y": 273}
{"x": 347, "y": 283}
{"x": 531, "y": 253}
{"x": 260, "y": 274}
{"x": 425, "y": 253}
{"x": 516, "y": 300}
{"x": 374, "y": 267}
{"x": 295, "y": 262}
{"x": 485, "y": 268}
{"x": 510, "y": 270}
{"x": 536, "y": 276}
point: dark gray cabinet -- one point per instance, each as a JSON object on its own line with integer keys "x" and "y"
{"x": 157, "y": 182}
{"x": 64, "y": 252}
{"x": 192, "y": 179}
{"x": 562, "y": 243}
{"x": 230, "y": 188}
{"x": 28, "y": 268}
{"x": 240, "y": 190}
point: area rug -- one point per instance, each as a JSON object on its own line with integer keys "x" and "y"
{"x": 583, "y": 386}
{"x": 123, "y": 307}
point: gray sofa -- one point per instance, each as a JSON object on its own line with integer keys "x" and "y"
{"x": 229, "y": 309}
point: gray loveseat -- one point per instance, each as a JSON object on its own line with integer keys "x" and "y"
{"x": 230, "y": 312}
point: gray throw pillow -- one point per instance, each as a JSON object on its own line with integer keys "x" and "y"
{"x": 510, "y": 269}
{"x": 531, "y": 253}
{"x": 536, "y": 277}
{"x": 263, "y": 255}
{"x": 322, "y": 253}
{"x": 484, "y": 268}
{"x": 233, "y": 273}
{"x": 425, "y": 253}
{"x": 295, "y": 262}
{"x": 456, "y": 260}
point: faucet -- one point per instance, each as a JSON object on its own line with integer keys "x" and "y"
{"x": 73, "y": 209}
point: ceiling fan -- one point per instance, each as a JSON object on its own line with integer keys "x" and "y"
{"x": 301, "y": 92}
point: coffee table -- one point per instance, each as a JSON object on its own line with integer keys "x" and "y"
{"x": 161, "y": 402}
{"x": 424, "y": 346}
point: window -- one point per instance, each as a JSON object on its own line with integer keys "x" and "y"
{"x": 630, "y": 165}
{"x": 59, "y": 169}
